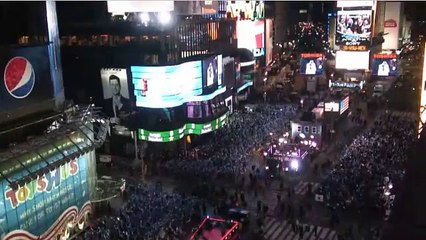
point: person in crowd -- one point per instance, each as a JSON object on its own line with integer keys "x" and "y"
{"x": 371, "y": 167}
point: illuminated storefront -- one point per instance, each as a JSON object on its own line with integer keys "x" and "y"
{"x": 187, "y": 129}
{"x": 46, "y": 192}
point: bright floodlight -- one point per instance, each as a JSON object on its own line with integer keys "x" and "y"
{"x": 294, "y": 164}
{"x": 302, "y": 135}
{"x": 164, "y": 18}
{"x": 144, "y": 17}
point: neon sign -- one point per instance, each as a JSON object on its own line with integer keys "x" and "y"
{"x": 45, "y": 183}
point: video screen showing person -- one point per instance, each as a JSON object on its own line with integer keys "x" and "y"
{"x": 353, "y": 28}
{"x": 210, "y": 71}
{"x": 116, "y": 93}
{"x": 311, "y": 64}
{"x": 385, "y": 67}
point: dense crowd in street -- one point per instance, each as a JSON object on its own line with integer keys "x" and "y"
{"x": 370, "y": 167}
{"x": 148, "y": 214}
{"x": 228, "y": 152}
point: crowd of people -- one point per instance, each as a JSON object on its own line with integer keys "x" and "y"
{"x": 246, "y": 131}
{"x": 149, "y": 213}
{"x": 370, "y": 167}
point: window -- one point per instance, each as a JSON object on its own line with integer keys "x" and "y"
{"x": 314, "y": 130}
{"x": 299, "y": 129}
{"x": 306, "y": 129}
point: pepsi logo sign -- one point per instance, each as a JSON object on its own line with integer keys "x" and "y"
{"x": 19, "y": 77}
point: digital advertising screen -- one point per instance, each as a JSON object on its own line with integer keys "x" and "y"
{"x": 331, "y": 107}
{"x": 311, "y": 64}
{"x": 352, "y": 60}
{"x": 422, "y": 103}
{"x": 385, "y": 65}
{"x": 251, "y": 35}
{"x": 116, "y": 91}
{"x": 344, "y": 105}
{"x": 351, "y": 3}
{"x": 213, "y": 71}
{"x": 167, "y": 86}
{"x": 37, "y": 209}
{"x": 353, "y": 28}
{"x": 229, "y": 72}
{"x": 187, "y": 129}
{"x": 140, "y": 6}
{"x": 26, "y": 78}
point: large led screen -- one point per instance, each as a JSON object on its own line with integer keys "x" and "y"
{"x": 352, "y": 60}
{"x": 331, "y": 107}
{"x": 385, "y": 65}
{"x": 187, "y": 129}
{"x": 422, "y": 105}
{"x": 166, "y": 86}
{"x": 116, "y": 91}
{"x": 250, "y": 35}
{"x": 140, "y": 6}
{"x": 213, "y": 71}
{"x": 311, "y": 64}
{"x": 353, "y": 28}
{"x": 269, "y": 43}
{"x": 350, "y": 3}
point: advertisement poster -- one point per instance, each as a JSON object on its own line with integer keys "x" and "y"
{"x": 34, "y": 210}
{"x": 353, "y": 28}
{"x": 353, "y": 60}
{"x": 311, "y": 64}
{"x": 250, "y": 35}
{"x": 26, "y": 77}
{"x": 385, "y": 65}
{"x": 168, "y": 86}
{"x": 116, "y": 92}
{"x": 391, "y": 25}
{"x": 269, "y": 45}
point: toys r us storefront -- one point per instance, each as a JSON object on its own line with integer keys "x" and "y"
{"x": 46, "y": 192}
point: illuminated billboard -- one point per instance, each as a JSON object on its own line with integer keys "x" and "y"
{"x": 353, "y": 28}
{"x": 331, "y": 107}
{"x": 26, "y": 81}
{"x": 187, "y": 129}
{"x": 166, "y": 86}
{"x": 391, "y": 25}
{"x": 422, "y": 109}
{"x": 311, "y": 64}
{"x": 344, "y": 105}
{"x": 140, "y": 6}
{"x": 38, "y": 209}
{"x": 269, "y": 44}
{"x": 213, "y": 71}
{"x": 352, "y": 60}
{"x": 116, "y": 91}
{"x": 245, "y": 10}
{"x": 349, "y": 85}
{"x": 251, "y": 35}
{"x": 385, "y": 65}
{"x": 349, "y": 4}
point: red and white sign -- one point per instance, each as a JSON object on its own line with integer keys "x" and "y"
{"x": 390, "y": 23}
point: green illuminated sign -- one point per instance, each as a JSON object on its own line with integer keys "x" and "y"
{"x": 188, "y": 128}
